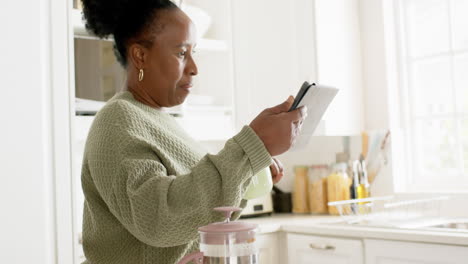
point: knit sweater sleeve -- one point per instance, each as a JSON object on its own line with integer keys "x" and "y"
{"x": 165, "y": 210}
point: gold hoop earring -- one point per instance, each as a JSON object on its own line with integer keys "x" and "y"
{"x": 141, "y": 74}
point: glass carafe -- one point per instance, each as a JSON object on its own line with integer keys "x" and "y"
{"x": 226, "y": 242}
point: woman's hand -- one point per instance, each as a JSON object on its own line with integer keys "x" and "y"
{"x": 276, "y": 169}
{"x": 278, "y": 128}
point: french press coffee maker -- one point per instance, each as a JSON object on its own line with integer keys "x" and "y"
{"x": 226, "y": 242}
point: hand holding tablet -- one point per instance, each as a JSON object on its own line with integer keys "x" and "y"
{"x": 317, "y": 98}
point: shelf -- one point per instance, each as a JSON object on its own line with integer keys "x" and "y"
{"x": 79, "y": 31}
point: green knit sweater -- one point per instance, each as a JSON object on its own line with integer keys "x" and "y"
{"x": 148, "y": 185}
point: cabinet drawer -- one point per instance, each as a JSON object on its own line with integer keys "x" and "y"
{"x": 323, "y": 250}
{"x": 389, "y": 252}
{"x": 268, "y": 245}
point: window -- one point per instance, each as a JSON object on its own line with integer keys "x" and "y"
{"x": 433, "y": 41}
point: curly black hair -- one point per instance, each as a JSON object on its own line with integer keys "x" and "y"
{"x": 123, "y": 19}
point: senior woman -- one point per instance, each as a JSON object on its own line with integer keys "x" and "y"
{"x": 148, "y": 185}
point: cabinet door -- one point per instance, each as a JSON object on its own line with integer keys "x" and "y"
{"x": 339, "y": 63}
{"x": 273, "y": 52}
{"x": 269, "y": 246}
{"x": 396, "y": 252}
{"x": 304, "y": 249}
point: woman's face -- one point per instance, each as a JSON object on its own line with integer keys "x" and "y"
{"x": 169, "y": 65}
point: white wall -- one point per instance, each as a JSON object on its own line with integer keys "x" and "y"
{"x": 26, "y": 196}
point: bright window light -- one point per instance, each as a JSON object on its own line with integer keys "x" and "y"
{"x": 433, "y": 36}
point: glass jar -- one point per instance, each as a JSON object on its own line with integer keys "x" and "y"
{"x": 338, "y": 186}
{"x": 317, "y": 190}
{"x": 300, "y": 203}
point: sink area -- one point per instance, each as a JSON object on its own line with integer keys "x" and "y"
{"x": 438, "y": 224}
{"x": 457, "y": 225}
{"x": 453, "y": 226}
{"x": 389, "y": 212}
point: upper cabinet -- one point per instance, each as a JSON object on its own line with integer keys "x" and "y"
{"x": 279, "y": 44}
{"x": 274, "y": 51}
{"x": 339, "y": 63}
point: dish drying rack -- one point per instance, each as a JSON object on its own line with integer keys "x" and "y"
{"x": 388, "y": 211}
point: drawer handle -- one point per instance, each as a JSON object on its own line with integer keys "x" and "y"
{"x": 321, "y": 247}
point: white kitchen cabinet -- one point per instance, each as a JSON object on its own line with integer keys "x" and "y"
{"x": 397, "y": 252}
{"x": 306, "y": 249}
{"x": 274, "y": 52}
{"x": 339, "y": 63}
{"x": 279, "y": 44}
{"x": 268, "y": 245}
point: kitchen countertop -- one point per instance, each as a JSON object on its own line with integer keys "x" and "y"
{"x": 326, "y": 225}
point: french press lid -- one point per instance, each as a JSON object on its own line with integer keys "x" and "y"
{"x": 228, "y": 226}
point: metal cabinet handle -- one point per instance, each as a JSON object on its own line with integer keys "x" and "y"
{"x": 322, "y": 247}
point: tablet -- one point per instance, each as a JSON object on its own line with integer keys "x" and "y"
{"x": 317, "y": 98}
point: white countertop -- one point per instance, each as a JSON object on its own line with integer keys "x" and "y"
{"x": 325, "y": 225}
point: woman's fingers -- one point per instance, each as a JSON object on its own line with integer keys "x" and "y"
{"x": 278, "y": 128}
{"x": 279, "y": 164}
{"x": 276, "y": 170}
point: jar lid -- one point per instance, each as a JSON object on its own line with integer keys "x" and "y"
{"x": 227, "y": 226}
{"x": 340, "y": 167}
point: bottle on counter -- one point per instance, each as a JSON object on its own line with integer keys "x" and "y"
{"x": 363, "y": 187}
{"x": 355, "y": 180}
{"x": 318, "y": 197}
{"x": 338, "y": 186}
{"x": 360, "y": 185}
{"x": 301, "y": 182}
